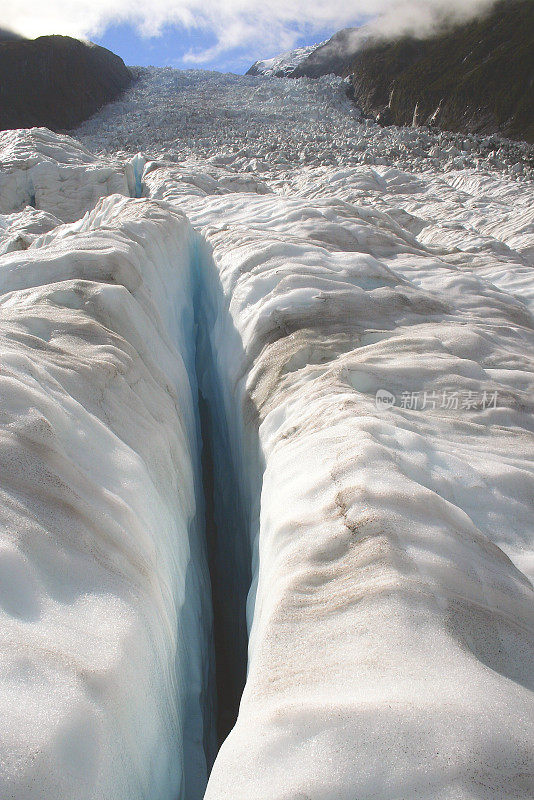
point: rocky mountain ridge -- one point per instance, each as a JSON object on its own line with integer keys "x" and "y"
{"x": 477, "y": 77}
{"x": 331, "y": 57}
{"x": 56, "y": 81}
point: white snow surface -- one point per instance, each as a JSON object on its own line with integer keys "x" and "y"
{"x": 285, "y": 62}
{"x": 320, "y": 259}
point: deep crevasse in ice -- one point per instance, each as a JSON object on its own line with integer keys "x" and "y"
{"x": 390, "y": 635}
{"x": 390, "y": 550}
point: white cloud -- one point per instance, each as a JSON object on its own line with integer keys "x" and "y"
{"x": 265, "y": 27}
{"x": 421, "y": 17}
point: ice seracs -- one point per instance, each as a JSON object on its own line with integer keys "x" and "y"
{"x": 56, "y": 173}
{"x": 240, "y": 120}
{"x": 376, "y": 559}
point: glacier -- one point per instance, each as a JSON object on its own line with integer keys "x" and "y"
{"x": 267, "y": 452}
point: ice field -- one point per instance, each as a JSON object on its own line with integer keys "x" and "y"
{"x": 267, "y": 383}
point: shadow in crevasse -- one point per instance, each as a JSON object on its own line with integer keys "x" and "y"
{"x": 229, "y": 567}
{"x": 227, "y": 464}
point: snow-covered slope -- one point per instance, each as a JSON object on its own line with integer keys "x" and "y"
{"x": 354, "y": 305}
{"x": 283, "y": 64}
{"x": 331, "y": 57}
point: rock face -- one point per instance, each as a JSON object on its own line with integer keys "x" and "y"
{"x": 475, "y": 78}
{"x": 56, "y": 82}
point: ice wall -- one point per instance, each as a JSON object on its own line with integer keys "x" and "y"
{"x": 105, "y": 613}
{"x": 232, "y": 486}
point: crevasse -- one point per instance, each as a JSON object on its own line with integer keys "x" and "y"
{"x": 229, "y": 511}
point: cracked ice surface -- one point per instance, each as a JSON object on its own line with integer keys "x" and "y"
{"x": 265, "y": 125}
{"x": 391, "y": 636}
{"x": 391, "y": 607}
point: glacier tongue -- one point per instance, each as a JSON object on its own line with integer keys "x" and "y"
{"x": 352, "y": 306}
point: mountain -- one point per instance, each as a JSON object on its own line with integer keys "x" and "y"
{"x": 478, "y": 77}
{"x": 284, "y": 65}
{"x": 7, "y": 35}
{"x": 330, "y": 57}
{"x": 56, "y": 81}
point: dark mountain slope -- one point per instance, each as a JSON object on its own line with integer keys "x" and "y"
{"x": 56, "y": 81}
{"x": 9, "y": 36}
{"x": 478, "y": 77}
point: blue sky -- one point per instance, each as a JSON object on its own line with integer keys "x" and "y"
{"x": 168, "y": 48}
{"x": 213, "y": 34}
